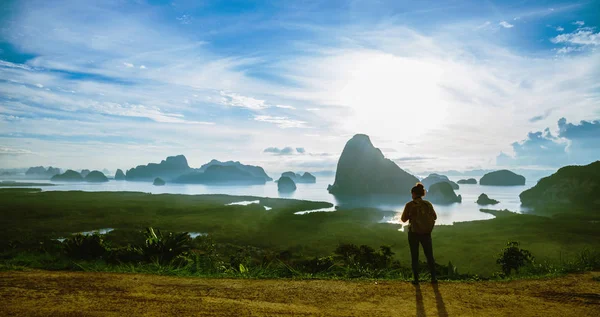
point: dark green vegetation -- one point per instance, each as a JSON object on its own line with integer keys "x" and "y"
{"x": 30, "y": 217}
{"x": 158, "y": 182}
{"x": 513, "y": 258}
{"x": 569, "y": 186}
{"x": 502, "y": 178}
{"x": 442, "y": 193}
{"x": 68, "y": 176}
{"x": 95, "y": 177}
{"x": 483, "y": 199}
{"x": 362, "y": 170}
{"x": 286, "y": 184}
{"x": 467, "y": 181}
{"x": 437, "y": 178}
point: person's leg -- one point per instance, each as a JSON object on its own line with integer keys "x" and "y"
{"x": 413, "y": 243}
{"x": 428, "y": 250}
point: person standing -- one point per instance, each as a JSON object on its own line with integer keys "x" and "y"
{"x": 421, "y": 217}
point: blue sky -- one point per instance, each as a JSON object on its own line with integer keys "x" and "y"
{"x": 454, "y": 85}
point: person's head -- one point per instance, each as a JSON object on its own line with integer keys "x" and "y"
{"x": 418, "y": 191}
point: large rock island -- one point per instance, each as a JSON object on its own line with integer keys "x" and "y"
{"x": 172, "y": 167}
{"x": 442, "y": 193}
{"x": 255, "y": 171}
{"x": 502, "y": 178}
{"x": 221, "y": 175}
{"x": 570, "y": 186}
{"x": 363, "y": 170}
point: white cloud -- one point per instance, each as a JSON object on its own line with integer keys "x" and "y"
{"x": 506, "y": 25}
{"x": 143, "y": 67}
{"x": 236, "y": 100}
{"x": 281, "y": 122}
{"x": 568, "y": 49}
{"x": 583, "y": 36}
{"x": 560, "y": 28}
{"x": 128, "y": 65}
{"x": 285, "y": 107}
{"x": 484, "y": 25}
{"x": 39, "y": 85}
{"x": 4, "y": 150}
{"x": 184, "y": 19}
{"x": 579, "y": 23}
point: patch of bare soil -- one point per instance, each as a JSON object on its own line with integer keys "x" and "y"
{"x": 44, "y": 293}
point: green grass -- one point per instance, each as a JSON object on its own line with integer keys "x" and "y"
{"x": 29, "y": 215}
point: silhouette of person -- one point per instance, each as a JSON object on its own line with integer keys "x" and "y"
{"x": 421, "y": 217}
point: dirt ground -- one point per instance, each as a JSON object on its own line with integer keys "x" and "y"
{"x": 44, "y": 293}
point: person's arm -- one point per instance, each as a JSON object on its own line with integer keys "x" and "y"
{"x": 434, "y": 214}
{"x": 405, "y": 213}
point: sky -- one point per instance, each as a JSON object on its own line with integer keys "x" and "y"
{"x": 285, "y": 84}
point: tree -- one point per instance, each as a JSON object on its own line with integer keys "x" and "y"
{"x": 512, "y": 257}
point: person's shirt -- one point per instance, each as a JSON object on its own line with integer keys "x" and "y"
{"x": 420, "y": 214}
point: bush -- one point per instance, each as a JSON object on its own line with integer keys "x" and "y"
{"x": 85, "y": 247}
{"x": 513, "y": 258}
{"x": 164, "y": 248}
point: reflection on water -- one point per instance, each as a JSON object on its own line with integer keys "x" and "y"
{"x": 468, "y": 210}
{"x": 243, "y": 203}
{"x": 99, "y": 231}
{"x": 197, "y": 234}
{"x": 329, "y": 209}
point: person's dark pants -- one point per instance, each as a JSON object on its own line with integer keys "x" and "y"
{"x": 413, "y": 241}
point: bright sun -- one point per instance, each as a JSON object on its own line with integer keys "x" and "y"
{"x": 392, "y": 96}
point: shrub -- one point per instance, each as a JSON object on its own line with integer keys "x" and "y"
{"x": 164, "y": 248}
{"x": 512, "y": 258}
{"x": 85, "y": 247}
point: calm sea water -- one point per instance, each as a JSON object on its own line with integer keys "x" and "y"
{"x": 468, "y": 210}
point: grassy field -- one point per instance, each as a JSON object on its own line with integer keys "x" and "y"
{"x": 29, "y": 215}
{"x": 45, "y": 293}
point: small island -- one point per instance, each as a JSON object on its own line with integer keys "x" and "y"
{"x": 158, "y": 182}
{"x": 307, "y": 178}
{"x": 442, "y": 193}
{"x": 470, "y": 181}
{"x": 286, "y": 184}
{"x": 502, "y": 178}
{"x": 119, "y": 175}
{"x": 485, "y": 200}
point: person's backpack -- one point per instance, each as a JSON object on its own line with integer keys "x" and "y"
{"x": 422, "y": 217}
